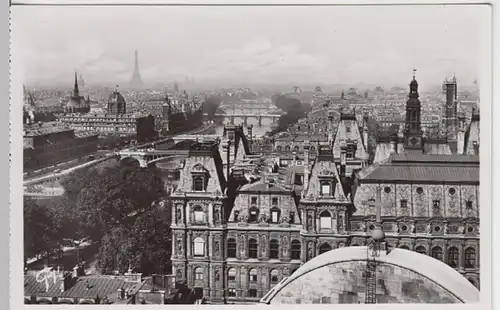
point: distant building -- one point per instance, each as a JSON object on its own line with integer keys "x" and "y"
{"x": 47, "y": 144}
{"x": 115, "y": 122}
{"x": 77, "y": 103}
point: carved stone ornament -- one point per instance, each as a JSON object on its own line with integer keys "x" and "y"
{"x": 262, "y": 218}
{"x": 284, "y": 219}
{"x": 217, "y": 275}
{"x": 326, "y": 172}
{"x": 428, "y": 228}
{"x": 217, "y": 247}
{"x": 243, "y": 218}
{"x": 179, "y": 272}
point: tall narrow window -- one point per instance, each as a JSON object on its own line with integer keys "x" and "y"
{"x": 198, "y": 183}
{"x": 199, "y": 215}
{"x": 274, "y": 276}
{"x": 274, "y": 201}
{"x": 231, "y": 292}
{"x": 253, "y": 201}
{"x": 470, "y": 258}
{"x": 199, "y": 246}
{"x": 198, "y": 273}
{"x": 453, "y": 257}
{"x": 252, "y": 293}
{"x": 231, "y": 248}
{"x": 296, "y": 249}
{"x": 325, "y": 188}
{"x": 403, "y": 203}
{"x": 231, "y": 274}
{"x": 253, "y": 215}
{"x": 325, "y": 220}
{"x": 236, "y": 216}
{"x": 274, "y": 249}
{"x": 291, "y": 220}
{"x": 252, "y": 275}
{"x": 275, "y": 215}
{"x": 325, "y": 247}
{"x": 437, "y": 253}
{"x": 252, "y": 248}
{"x": 436, "y": 206}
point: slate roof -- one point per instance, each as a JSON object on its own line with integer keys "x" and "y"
{"x": 424, "y": 168}
{"x": 261, "y": 186}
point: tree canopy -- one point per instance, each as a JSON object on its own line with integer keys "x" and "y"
{"x": 211, "y": 105}
{"x": 293, "y": 108}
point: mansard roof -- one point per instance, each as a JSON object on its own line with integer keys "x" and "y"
{"x": 420, "y": 168}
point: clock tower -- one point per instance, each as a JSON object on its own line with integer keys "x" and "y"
{"x": 413, "y": 132}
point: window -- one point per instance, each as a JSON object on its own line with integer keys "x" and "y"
{"x": 287, "y": 148}
{"x": 274, "y": 249}
{"x": 468, "y": 204}
{"x": 252, "y": 275}
{"x": 198, "y": 273}
{"x": 274, "y": 201}
{"x": 403, "y": 203}
{"x": 291, "y": 220}
{"x": 349, "y": 154}
{"x": 198, "y": 183}
{"x": 325, "y": 188}
{"x": 421, "y": 250}
{"x": 470, "y": 258}
{"x": 325, "y": 300}
{"x": 274, "y": 276}
{"x": 231, "y": 292}
{"x": 275, "y": 215}
{"x": 420, "y": 190}
{"x": 231, "y": 248}
{"x": 404, "y": 247}
{"x": 452, "y": 191}
{"x": 254, "y": 215}
{"x": 231, "y": 274}
{"x": 199, "y": 215}
{"x": 325, "y": 247}
{"x": 387, "y": 189}
{"x": 436, "y": 205}
{"x": 348, "y": 129}
{"x": 453, "y": 257}
{"x": 199, "y": 247}
{"x": 253, "y": 201}
{"x": 325, "y": 220}
{"x": 252, "y": 293}
{"x": 437, "y": 253}
{"x": 296, "y": 249}
{"x": 296, "y": 148}
{"x": 236, "y": 216}
{"x": 252, "y": 248}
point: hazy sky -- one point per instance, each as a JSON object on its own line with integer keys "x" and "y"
{"x": 375, "y": 45}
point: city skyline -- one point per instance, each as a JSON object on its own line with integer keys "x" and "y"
{"x": 337, "y": 45}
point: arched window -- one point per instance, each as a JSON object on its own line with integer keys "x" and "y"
{"x": 252, "y": 275}
{"x": 421, "y": 249}
{"x": 287, "y": 148}
{"x": 199, "y": 246}
{"x": 325, "y": 220}
{"x": 231, "y": 274}
{"x": 278, "y": 148}
{"x": 453, "y": 257}
{"x": 325, "y": 247}
{"x": 231, "y": 248}
{"x": 274, "y": 249}
{"x": 313, "y": 149}
{"x": 296, "y": 249}
{"x": 296, "y": 148}
{"x": 252, "y": 248}
{"x": 198, "y": 183}
{"x": 198, "y": 273}
{"x": 404, "y": 247}
{"x": 470, "y": 258}
{"x": 274, "y": 276}
{"x": 199, "y": 215}
{"x": 437, "y": 253}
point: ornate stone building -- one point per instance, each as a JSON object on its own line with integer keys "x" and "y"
{"x": 77, "y": 103}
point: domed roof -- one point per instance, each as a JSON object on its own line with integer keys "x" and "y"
{"x": 430, "y": 271}
{"x": 116, "y": 97}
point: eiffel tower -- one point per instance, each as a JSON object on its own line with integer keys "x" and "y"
{"x": 136, "y": 81}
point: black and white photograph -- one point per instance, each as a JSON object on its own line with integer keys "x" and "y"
{"x": 251, "y": 155}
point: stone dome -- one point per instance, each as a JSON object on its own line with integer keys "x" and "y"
{"x": 403, "y": 276}
{"x": 116, "y": 97}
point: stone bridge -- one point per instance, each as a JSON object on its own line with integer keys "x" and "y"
{"x": 199, "y": 138}
{"x": 146, "y": 157}
{"x": 247, "y": 116}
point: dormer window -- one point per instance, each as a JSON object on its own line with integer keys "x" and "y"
{"x": 236, "y": 216}
{"x": 274, "y": 201}
{"x": 253, "y": 215}
{"x": 275, "y": 215}
{"x": 198, "y": 183}
{"x": 348, "y": 129}
{"x": 326, "y": 188}
{"x": 253, "y": 201}
{"x": 349, "y": 154}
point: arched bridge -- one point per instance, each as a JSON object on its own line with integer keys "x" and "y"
{"x": 199, "y": 138}
{"x": 247, "y": 116}
{"x": 149, "y": 156}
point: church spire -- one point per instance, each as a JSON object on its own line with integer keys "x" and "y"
{"x": 76, "y": 91}
{"x": 413, "y": 130}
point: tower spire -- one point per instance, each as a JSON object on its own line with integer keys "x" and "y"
{"x": 413, "y": 130}
{"x": 136, "y": 81}
{"x": 76, "y": 91}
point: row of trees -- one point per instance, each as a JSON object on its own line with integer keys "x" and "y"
{"x": 293, "y": 108}
{"x": 122, "y": 207}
